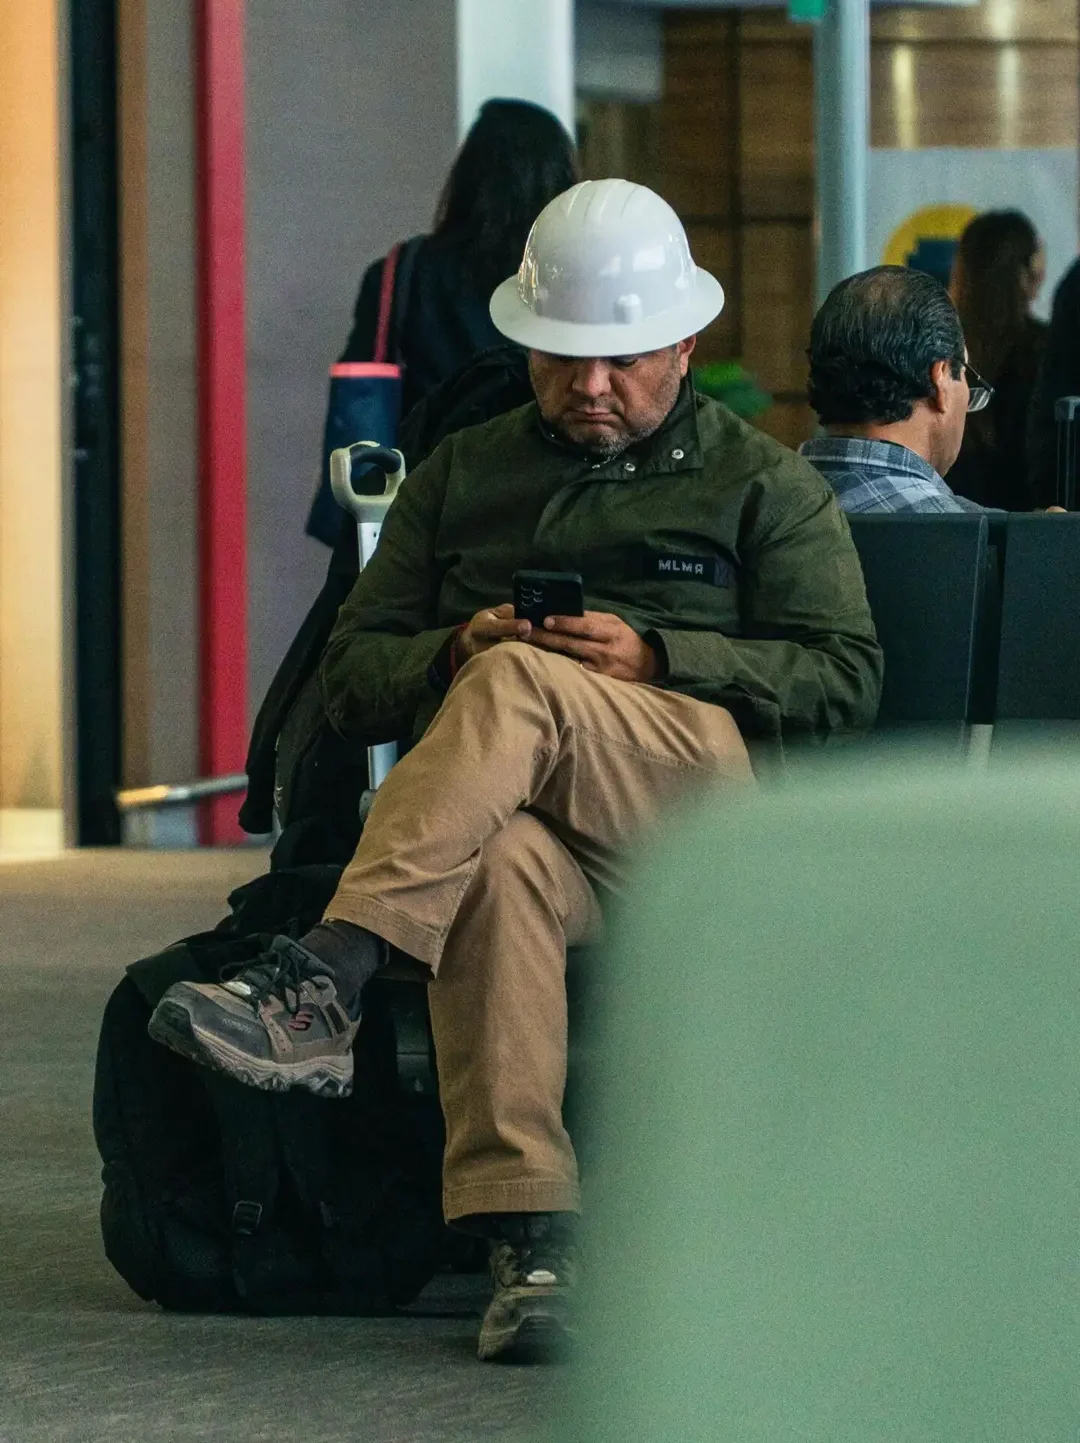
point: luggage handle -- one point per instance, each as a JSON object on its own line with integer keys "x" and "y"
{"x": 1066, "y": 414}
{"x": 365, "y": 509}
{"x": 369, "y": 512}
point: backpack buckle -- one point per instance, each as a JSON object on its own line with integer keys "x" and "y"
{"x": 246, "y": 1217}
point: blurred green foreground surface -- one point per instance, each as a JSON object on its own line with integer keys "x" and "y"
{"x": 835, "y": 1184}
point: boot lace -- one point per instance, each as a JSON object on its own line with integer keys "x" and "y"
{"x": 280, "y": 973}
{"x": 544, "y": 1252}
{"x": 541, "y": 1262}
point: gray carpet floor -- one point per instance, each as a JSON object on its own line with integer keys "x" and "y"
{"x": 82, "y": 1359}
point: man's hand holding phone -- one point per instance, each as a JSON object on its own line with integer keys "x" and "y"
{"x": 489, "y": 627}
{"x": 554, "y": 603}
{"x": 601, "y": 642}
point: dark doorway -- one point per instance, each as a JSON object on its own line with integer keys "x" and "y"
{"x": 95, "y": 347}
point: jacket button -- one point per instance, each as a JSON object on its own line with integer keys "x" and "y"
{"x": 629, "y": 468}
{"x": 678, "y": 454}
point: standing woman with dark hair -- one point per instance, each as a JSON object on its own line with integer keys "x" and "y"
{"x": 515, "y": 159}
{"x": 999, "y": 270}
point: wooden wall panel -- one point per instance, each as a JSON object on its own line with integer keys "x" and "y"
{"x": 777, "y": 299}
{"x": 714, "y": 247}
{"x": 621, "y": 140}
{"x": 943, "y": 93}
{"x": 995, "y": 21}
{"x": 772, "y": 27}
{"x": 698, "y": 116}
{"x": 776, "y": 128}
{"x": 789, "y": 422}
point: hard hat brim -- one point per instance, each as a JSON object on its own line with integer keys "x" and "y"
{"x": 519, "y": 323}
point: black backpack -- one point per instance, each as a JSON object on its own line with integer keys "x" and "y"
{"x": 220, "y": 1198}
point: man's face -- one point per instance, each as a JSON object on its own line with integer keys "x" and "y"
{"x": 605, "y": 405}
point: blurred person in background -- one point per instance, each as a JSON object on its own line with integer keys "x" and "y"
{"x": 999, "y": 270}
{"x": 515, "y": 159}
{"x": 1059, "y": 376}
{"x": 433, "y": 320}
{"x": 892, "y": 387}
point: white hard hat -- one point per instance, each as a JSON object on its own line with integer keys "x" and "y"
{"x": 607, "y": 271}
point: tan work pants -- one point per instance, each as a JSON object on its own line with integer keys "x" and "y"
{"x": 480, "y": 858}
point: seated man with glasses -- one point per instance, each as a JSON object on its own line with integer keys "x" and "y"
{"x": 890, "y": 381}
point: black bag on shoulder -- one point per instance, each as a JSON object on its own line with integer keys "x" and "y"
{"x": 221, "y": 1198}
{"x": 296, "y": 761}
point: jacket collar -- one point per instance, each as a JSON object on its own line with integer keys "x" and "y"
{"x": 674, "y": 446}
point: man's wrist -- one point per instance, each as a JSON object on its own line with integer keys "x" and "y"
{"x": 656, "y": 663}
{"x": 447, "y": 662}
{"x": 459, "y": 649}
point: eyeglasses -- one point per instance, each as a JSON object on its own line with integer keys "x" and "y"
{"x": 980, "y": 390}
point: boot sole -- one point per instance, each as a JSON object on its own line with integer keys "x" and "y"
{"x": 538, "y": 1333}
{"x": 172, "y": 1026}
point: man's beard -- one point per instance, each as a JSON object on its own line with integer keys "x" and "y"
{"x": 606, "y": 449}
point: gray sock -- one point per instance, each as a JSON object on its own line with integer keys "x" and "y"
{"x": 352, "y": 955}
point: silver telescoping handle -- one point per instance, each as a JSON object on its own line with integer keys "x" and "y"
{"x": 369, "y": 513}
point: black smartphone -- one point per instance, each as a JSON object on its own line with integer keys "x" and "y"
{"x": 547, "y": 593}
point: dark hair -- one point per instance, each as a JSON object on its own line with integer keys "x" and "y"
{"x": 874, "y": 341}
{"x": 992, "y": 264}
{"x": 515, "y": 159}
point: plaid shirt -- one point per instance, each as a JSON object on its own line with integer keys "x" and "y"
{"x": 880, "y": 476}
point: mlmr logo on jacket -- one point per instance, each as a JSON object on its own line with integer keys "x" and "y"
{"x": 677, "y": 565}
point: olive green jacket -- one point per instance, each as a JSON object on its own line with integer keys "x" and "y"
{"x": 724, "y": 549}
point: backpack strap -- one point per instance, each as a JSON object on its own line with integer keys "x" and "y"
{"x": 252, "y": 1174}
{"x": 386, "y": 302}
{"x": 406, "y": 264}
{"x": 308, "y": 1144}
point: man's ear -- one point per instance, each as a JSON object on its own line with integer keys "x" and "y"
{"x": 940, "y": 376}
{"x": 685, "y": 350}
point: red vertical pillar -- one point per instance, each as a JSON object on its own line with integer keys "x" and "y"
{"x": 222, "y": 507}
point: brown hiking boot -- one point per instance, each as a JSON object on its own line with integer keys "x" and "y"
{"x": 528, "y": 1319}
{"x": 276, "y": 1024}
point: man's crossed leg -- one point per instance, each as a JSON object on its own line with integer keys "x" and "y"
{"x": 482, "y": 858}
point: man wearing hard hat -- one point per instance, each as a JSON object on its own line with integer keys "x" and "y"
{"x": 722, "y": 600}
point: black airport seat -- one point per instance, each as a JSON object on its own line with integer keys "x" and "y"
{"x": 926, "y": 582}
{"x": 1039, "y": 661}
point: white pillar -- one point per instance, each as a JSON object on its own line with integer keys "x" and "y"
{"x": 516, "y": 49}
{"x": 841, "y": 138}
